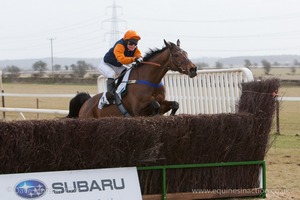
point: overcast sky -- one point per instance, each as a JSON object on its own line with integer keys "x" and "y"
{"x": 206, "y": 28}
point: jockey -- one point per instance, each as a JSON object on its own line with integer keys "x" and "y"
{"x": 124, "y": 52}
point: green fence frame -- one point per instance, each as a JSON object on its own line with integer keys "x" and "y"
{"x": 225, "y": 164}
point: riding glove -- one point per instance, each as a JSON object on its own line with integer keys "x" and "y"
{"x": 138, "y": 60}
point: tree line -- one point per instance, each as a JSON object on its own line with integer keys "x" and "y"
{"x": 81, "y": 67}
{"x": 266, "y": 65}
{"x": 40, "y": 68}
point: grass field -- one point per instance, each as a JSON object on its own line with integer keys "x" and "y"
{"x": 277, "y": 71}
{"x": 44, "y": 103}
{"x": 283, "y": 157}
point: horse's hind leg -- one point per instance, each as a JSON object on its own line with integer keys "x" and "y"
{"x": 167, "y": 106}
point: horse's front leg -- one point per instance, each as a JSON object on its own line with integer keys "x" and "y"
{"x": 155, "y": 107}
{"x": 149, "y": 108}
{"x": 166, "y": 106}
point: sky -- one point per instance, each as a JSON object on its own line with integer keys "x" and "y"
{"x": 206, "y": 28}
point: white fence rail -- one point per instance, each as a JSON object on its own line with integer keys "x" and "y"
{"x": 289, "y": 98}
{"x": 38, "y": 95}
{"x": 35, "y": 110}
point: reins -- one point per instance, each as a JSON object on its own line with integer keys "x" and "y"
{"x": 151, "y": 63}
{"x": 133, "y": 66}
{"x": 154, "y": 64}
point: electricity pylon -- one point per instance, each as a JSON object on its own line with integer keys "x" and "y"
{"x": 114, "y": 20}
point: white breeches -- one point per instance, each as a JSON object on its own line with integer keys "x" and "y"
{"x": 110, "y": 71}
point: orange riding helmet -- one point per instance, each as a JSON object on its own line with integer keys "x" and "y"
{"x": 131, "y": 34}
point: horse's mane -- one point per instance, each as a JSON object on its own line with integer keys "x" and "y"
{"x": 152, "y": 52}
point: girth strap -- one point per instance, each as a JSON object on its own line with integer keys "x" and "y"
{"x": 119, "y": 101}
{"x": 154, "y": 85}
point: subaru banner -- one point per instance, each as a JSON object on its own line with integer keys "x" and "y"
{"x": 98, "y": 184}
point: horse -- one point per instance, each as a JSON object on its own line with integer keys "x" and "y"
{"x": 145, "y": 97}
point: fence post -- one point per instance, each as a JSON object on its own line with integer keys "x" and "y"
{"x": 37, "y": 106}
{"x": 164, "y": 183}
{"x": 3, "y": 103}
{"x": 277, "y": 117}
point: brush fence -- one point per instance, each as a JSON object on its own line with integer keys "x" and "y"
{"x": 210, "y": 152}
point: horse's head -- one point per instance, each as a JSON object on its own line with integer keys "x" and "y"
{"x": 179, "y": 60}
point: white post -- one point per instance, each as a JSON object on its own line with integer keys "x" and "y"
{"x": 1, "y": 86}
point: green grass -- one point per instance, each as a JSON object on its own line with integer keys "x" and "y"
{"x": 44, "y": 103}
{"x": 283, "y": 167}
{"x": 285, "y": 141}
{"x": 275, "y": 71}
{"x": 289, "y": 116}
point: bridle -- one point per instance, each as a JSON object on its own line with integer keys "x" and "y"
{"x": 176, "y": 63}
{"x": 172, "y": 60}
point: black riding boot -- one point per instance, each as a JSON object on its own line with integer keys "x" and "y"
{"x": 110, "y": 94}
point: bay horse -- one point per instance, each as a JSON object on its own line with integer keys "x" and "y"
{"x": 145, "y": 97}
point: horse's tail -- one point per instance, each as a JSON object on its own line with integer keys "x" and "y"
{"x": 76, "y": 103}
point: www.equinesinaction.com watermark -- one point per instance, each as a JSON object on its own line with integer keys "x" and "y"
{"x": 241, "y": 191}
